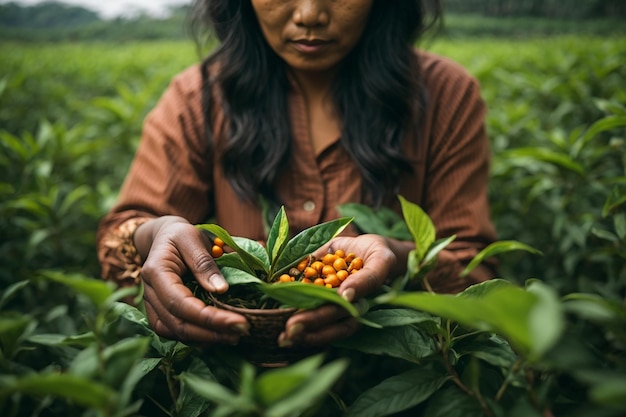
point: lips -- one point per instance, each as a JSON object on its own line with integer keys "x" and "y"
{"x": 310, "y": 46}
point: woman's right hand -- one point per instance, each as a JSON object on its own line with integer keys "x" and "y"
{"x": 172, "y": 247}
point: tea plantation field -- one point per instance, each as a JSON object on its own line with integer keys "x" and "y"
{"x": 70, "y": 118}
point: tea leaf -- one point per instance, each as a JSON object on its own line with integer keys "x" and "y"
{"x": 70, "y": 387}
{"x": 273, "y": 385}
{"x": 233, "y": 260}
{"x": 235, "y": 276}
{"x": 249, "y": 259}
{"x": 421, "y": 227}
{"x": 398, "y": 393}
{"x": 310, "y": 392}
{"x": 277, "y": 236}
{"x": 254, "y": 248}
{"x": 383, "y": 221}
{"x": 307, "y": 296}
{"x": 97, "y": 291}
{"x": 307, "y": 241}
{"x": 495, "y": 249}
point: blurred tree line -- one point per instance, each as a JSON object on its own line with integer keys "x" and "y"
{"x": 579, "y": 9}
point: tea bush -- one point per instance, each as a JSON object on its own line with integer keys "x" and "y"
{"x": 70, "y": 118}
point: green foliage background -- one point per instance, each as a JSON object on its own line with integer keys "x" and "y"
{"x": 70, "y": 118}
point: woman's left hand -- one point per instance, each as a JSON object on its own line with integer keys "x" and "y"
{"x": 331, "y": 322}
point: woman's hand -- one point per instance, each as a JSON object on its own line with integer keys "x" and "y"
{"x": 173, "y": 247}
{"x": 382, "y": 258}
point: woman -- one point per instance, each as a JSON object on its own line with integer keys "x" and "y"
{"x": 308, "y": 104}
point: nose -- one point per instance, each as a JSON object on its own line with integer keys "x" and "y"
{"x": 311, "y": 13}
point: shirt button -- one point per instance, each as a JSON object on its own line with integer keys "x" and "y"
{"x": 309, "y": 206}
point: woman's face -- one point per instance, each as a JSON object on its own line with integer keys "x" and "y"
{"x": 312, "y": 35}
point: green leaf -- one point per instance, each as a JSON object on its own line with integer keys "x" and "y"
{"x": 306, "y": 242}
{"x": 233, "y": 260}
{"x": 410, "y": 342}
{"x": 254, "y": 263}
{"x": 254, "y": 248}
{"x": 436, "y": 247}
{"x": 383, "y": 221}
{"x": 613, "y": 202}
{"x": 310, "y": 392}
{"x": 395, "y": 317}
{"x": 398, "y": 393}
{"x": 276, "y": 384}
{"x": 217, "y": 393}
{"x": 508, "y": 310}
{"x": 495, "y": 249}
{"x": 237, "y": 276}
{"x": 70, "y": 387}
{"x": 545, "y": 155}
{"x": 420, "y": 225}
{"x": 306, "y": 296}
{"x": 96, "y": 290}
{"x": 278, "y": 234}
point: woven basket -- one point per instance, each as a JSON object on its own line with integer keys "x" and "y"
{"x": 260, "y": 347}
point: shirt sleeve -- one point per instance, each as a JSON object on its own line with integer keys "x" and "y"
{"x": 456, "y": 183}
{"x": 169, "y": 175}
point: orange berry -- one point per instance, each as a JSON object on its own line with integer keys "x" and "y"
{"x": 303, "y": 264}
{"x": 340, "y": 264}
{"x": 219, "y": 242}
{"x": 310, "y": 272}
{"x": 306, "y": 281}
{"x": 349, "y": 257}
{"x": 319, "y": 281}
{"x": 216, "y": 251}
{"x": 317, "y": 265}
{"x": 328, "y": 285}
{"x": 333, "y": 280}
{"x": 327, "y": 270}
{"x": 357, "y": 263}
{"x": 342, "y": 275}
{"x": 329, "y": 258}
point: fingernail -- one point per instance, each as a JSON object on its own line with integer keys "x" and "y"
{"x": 285, "y": 343}
{"x": 241, "y": 328}
{"x": 295, "y": 330}
{"x": 348, "y": 295}
{"x": 218, "y": 283}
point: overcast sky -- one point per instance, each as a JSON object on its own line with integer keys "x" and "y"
{"x": 113, "y": 8}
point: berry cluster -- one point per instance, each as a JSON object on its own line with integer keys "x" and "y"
{"x": 329, "y": 271}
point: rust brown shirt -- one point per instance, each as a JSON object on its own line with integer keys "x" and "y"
{"x": 174, "y": 173}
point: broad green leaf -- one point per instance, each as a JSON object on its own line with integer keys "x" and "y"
{"x": 82, "y": 340}
{"x": 508, "y": 310}
{"x": 252, "y": 261}
{"x": 450, "y": 401}
{"x": 383, "y": 221}
{"x": 96, "y": 290}
{"x": 420, "y": 225}
{"x": 233, "y": 260}
{"x": 217, "y": 393}
{"x": 306, "y": 296}
{"x": 278, "y": 234}
{"x": 398, "y": 393}
{"x": 11, "y": 290}
{"x": 236, "y": 276}
{"x": 310, "y": 392}
{"x": 545, "y": 155}
{"x": 495, "y": 249}
{"x": 594, "y": 307}
{"x": 136, "y": 373}
{"x": 83, "y": 391}
{"x": 306, "y": 242}
{"x": 603, "y": 125}
{"x": 395, "y": 317}
{"x": 409, "y": 342}
{"x": 276, "y": 384}
{"x": 436, "y": 247}
{"x": 254, "y": 248}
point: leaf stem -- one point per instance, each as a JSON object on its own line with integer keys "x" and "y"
{"x": 516, "y": 366}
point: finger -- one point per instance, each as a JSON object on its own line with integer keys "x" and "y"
{"x": 311, "y": 320}
{"x": 186, "y": 332}
{"x": 361, "y": 283}
{"x": 182, "y": 305}
{"x": 324, "y": 335}
{"x": 194, "y": 253}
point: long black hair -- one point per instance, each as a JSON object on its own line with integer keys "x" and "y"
{"x": 376, "y": 91}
